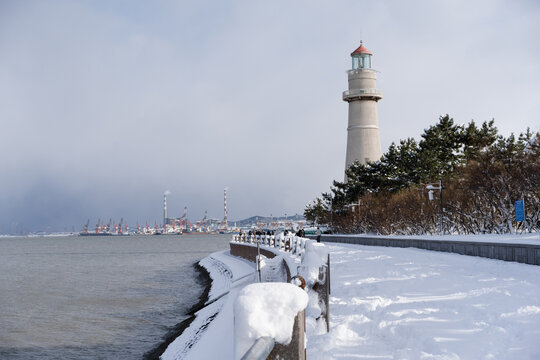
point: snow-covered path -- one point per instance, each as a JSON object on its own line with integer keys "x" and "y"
{"x": 391, "y": 303}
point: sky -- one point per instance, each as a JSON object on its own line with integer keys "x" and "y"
{"x": 105, "y": 105}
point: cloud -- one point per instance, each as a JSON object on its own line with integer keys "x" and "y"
{"x": 117, "y": 101}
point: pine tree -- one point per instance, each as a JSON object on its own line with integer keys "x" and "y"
{"x": 477, "y": 140}
{"x": 440, "y": 149}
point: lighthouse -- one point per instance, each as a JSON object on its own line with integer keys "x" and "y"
{"x": 363, "y": 139}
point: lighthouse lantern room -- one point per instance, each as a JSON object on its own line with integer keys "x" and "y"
{"x": 361, "y": 58}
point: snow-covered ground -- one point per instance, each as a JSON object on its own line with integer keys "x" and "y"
{"x": 391, "y": 303}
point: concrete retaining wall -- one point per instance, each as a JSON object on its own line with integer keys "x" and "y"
{"x": 522, "y": 253}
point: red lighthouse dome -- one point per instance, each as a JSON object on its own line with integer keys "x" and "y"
{"x": 361, "y": 50}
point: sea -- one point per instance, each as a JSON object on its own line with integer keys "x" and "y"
{"x": 98, "y": 297}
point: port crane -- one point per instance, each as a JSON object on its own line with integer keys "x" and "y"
{"x": 85, "y": 227}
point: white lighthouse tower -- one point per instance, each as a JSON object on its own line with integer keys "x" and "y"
{"x": 363, "y": 140}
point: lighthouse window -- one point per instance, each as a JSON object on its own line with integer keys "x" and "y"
{"x": 355, "y": 62}
{"x": 366, "y": 62}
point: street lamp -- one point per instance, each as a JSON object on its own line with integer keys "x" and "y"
{"x": 355, "y": 206}
{"x": 431, "y": 187}
{"x": 331, "y": 215}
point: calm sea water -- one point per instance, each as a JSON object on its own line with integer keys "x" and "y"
{"x": 96, "y": 297}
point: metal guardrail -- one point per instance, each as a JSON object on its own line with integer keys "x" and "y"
{"x": 290, "y": 243}
{"x": 261, "y": 349}
{"x": 295, "y": 246}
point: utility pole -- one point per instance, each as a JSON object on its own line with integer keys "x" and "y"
{"x": 225, "y": 217}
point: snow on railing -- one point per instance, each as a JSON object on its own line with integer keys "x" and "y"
{"x": 290, "y": 243}
{"x": 312, "y": 264}
{"x": 270, "y": 311}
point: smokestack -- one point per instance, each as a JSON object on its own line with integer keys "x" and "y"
{"x": 225, "y": 208}
{"x": 164, "y": 210}
{"x": 185, "y": 217}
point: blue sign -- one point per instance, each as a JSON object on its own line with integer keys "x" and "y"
{"x": 520, "y": 210}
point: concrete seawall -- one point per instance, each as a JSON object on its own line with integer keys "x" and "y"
{"x": 522, "y": 253}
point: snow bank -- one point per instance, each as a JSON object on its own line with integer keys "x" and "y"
{"x": 393, "y": 303}
{"x": 386, "y": 303}
{"x": 315, "y": 256}
{"x": 266, "y": 309}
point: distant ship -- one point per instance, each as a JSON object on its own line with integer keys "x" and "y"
{"x": 94, "y": 234}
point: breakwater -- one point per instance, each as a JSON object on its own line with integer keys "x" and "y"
{"x": 527, "y": 253}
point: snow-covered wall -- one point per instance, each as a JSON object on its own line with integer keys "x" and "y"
{"x": 526, "y": 251}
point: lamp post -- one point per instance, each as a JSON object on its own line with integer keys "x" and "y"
{"x": 355, "y": 206}
{"x": 431, "y": 187}
{"x": 331, "y": 215}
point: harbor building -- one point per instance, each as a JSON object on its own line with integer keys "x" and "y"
{"x": 363, "y": 139}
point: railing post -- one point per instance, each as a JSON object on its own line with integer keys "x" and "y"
{"x": 328, "y": 273}
{"x": 327, "y": 295}
{"x": 259, "y": 260}
{"x": 296, "y": 350}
